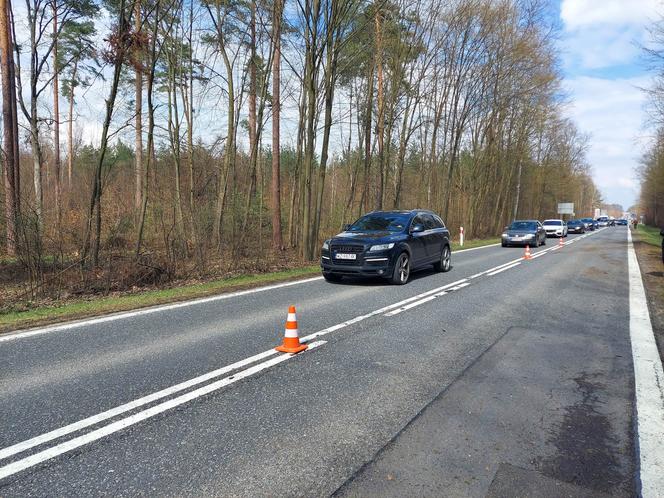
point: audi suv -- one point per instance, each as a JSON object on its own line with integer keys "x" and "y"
{"x": 388, "y": 244}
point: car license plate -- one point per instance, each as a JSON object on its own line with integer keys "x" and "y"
{"x": 345, "y": 256}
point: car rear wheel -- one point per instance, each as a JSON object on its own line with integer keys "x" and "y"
{"x": 444, "y": 263}
{"x": 401, "y": 269}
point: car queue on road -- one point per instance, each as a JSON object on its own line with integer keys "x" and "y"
{"x": 393, "y": 244}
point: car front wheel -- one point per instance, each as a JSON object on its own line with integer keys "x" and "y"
{"x": 444, "y": 263}
{"x": 401, "y": 269}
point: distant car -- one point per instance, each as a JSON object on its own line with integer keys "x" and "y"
{"x": 524, "y": 232}
{"x": 555, "y": 228}
{"x": 621, "y": 221}
{"x": 589, "y": 223}
{"x": 389, "y": 244}
{"x": 603, "y": 221}
{"x": 576, "y": 226}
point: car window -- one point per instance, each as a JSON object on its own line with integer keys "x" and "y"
{"x": 393, "y": 222}
{"x": 439, "y": 221}
{"x": 429, "y": 222}
{"x": 418, "y": 220}
{"x": 523, "y": 225}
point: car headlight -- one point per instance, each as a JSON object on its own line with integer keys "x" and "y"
{"x": 504, "y": 235}
{"x": 530, "y": 236}
{"x": 381, "y": 247}
{"x": 326, "y": 245}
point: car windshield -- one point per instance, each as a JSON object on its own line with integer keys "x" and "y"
{"x": 523, "y": 225}
{"x": 574, "y": 222}
{"x": 391, "y": 222}
{"x": 552, "y": 222}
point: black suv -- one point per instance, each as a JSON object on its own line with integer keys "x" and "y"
{"x": 387, "y": 244}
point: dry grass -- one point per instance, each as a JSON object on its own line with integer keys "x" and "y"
{"x": 648, "y": 251}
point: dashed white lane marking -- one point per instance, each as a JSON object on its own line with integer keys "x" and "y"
{"x": 121, "y": 424}
{"x": 648, "y": 384}
{"x": 502, "y": 269}
{"x": 428, "y": 298}
{"x": 132, "y": 405}
{"x": 129, "y": 314}
{"x": 113, "y": 427}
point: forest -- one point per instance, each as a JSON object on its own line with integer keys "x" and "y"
{"x": 147, "y": 142}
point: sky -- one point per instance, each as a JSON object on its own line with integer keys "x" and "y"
{"x": 604, "y": 73}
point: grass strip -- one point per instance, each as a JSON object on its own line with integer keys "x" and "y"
{"x": 95, "y": 305}
{"x": 647, "y": 234}
{"x": 469, "y": 244}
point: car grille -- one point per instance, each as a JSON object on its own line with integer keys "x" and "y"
{"x": 347, "y": 248}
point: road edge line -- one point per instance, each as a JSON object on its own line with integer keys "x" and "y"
{"x": 648, "y": 383}
{"x": 20, "y": 334}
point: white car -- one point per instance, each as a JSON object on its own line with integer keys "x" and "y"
{"x": 555, "y": 228}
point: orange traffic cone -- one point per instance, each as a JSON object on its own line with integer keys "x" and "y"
{"x": 527, "y": 255}
{"x": 291, "y": 339}
{"x": 560, "y": 241}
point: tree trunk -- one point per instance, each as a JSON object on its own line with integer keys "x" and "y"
{"x": 277, "y": 241}
{"x": 95, "y": 203}
{"x": 138, "y": 95}
{"x": 70, "y": 127}
{"x": 380, "y": 118}
{"x": 56, "y": 121}
{"x": 364, "y": 201}
{"x": 10, "y": 154}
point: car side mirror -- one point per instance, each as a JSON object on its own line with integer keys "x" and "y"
{"x": 417, "y": 228}
{"x": 346, "y": 227}
{"x": 506, "y": 228}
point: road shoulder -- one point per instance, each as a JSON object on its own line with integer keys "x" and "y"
{"x": 649, "y": 257}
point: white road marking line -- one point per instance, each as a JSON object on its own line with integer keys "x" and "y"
{"x": 121, "y": 424}
{"x": 137, "y": 403}
{"x": 648, "y": 383}
{"x": 475, "y": 248}
{"x": 148, "y": 311}
{"x": 122, "y": 315}
{"x": 502, "y": 269}
{"x": 427, "y": 299}
{"x": 95, "y": 419}
{"x": 495, "y": 268}
{"x": 378, "y": 311}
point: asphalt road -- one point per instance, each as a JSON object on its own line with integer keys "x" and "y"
{"x": 515, "y": 376}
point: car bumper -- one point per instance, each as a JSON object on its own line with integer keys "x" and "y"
{"x": 554, "y": 233}
{"x": 521, "y": 242}
{"x": 575, "y": 230}
{"x": 370, "y": 266}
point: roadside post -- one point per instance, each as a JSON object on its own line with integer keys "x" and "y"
{"x": 461, "y": 236}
